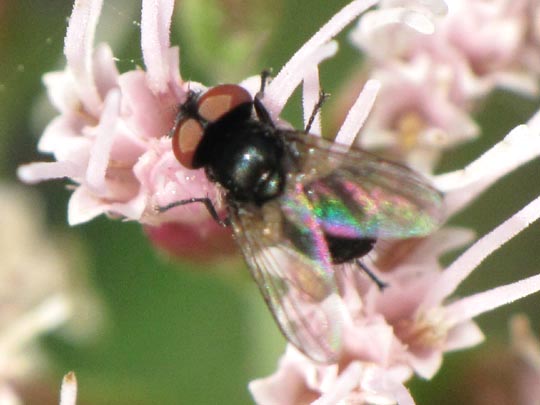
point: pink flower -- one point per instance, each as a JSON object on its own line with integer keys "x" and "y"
{"x": 419, "y": 127}
{"x": 110, "y": 136}
{"x": 300, "y": 381}
{"x": 410, "y": 325}
{"x": 483, "y": 41}
{"x": 446, "y": 66}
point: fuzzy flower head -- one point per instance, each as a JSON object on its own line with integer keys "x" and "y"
{"x": 408, "y": 327}
{"x": 111, "y": 135}
{"x": 474, "y": 47}
{"x": 482, "y": 41}
{"x": 422, "y": 124}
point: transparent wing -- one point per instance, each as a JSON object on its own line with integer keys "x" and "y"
{"x": 287, "y": 255}
{"x": 330, "y": 192}
{"x": 355, "y": 194}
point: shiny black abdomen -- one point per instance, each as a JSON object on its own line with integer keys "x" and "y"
{"x": 344, "y": 250}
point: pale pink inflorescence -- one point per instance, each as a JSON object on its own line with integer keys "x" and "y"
{"x": 111, "y": 140}
{"x": 476, "y": 47}
{"x": 407, "y": 329}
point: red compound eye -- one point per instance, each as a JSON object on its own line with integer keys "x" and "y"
{"x": 220, "y": 100}
{"x": 185, "y": 140}
{"x": 211, "y": 106}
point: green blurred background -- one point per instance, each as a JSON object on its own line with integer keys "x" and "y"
{"x": 188, "y": 333}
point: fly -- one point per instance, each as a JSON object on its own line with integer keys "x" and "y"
{"x": 299, "y": 206}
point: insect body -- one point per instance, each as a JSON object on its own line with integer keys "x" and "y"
{"x": 298, "y": 206}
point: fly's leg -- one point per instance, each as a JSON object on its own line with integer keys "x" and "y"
{"x": 264, "y": 115}
{"x": 265, "y": 74}
{"x": 380, "y": 284}
{"x": 262, "y": 112}
{"x": 207, "y": 203}
{"x": 260, "y": 109}
{"x": 316, "y": 108}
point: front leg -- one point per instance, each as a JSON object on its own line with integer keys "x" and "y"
{"x": 203, "y": 200}
{"x": 262, "y": 113}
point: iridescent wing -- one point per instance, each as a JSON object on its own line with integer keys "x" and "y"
{"x": 286, "y": 252}
{"x": 333, "y": 192}
{"x": 355, "y": 194}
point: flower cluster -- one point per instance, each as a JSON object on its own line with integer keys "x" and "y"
{"x": 408, "y": 327}
{"x": 477, "y": 46}
{"x": 422, "y": 108}
{"x": 111, "y": 139}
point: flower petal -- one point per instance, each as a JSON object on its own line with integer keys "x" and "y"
{"x": 78, "y": 50}
{"x": 462, "y": 186}
{"x": 463, "y": 336}
{"x": 61, "y": 90}
{"x": 471, "y": 259}
{"x": 175, "y": 80}
{"x": 415, "y": 19}
{"x": 144, "y": 114}
{"x": 104, "y": 68}
{"x": 389, "y": 381}
{"x": 133, "y": 209}
{"x": 68, "y": 394}
{"x": 155, "y": 30}
{"x": 61, "y": 135}
{"x": 275, "y": 101}
{"x": 278, "y": 91}
{"x": 84, "y": 206}
{"x": 474, "y": 305}
{"x": 35, "y": 172}
{"x": 101, "y": 149}
{"x": 358, "y": 113}
{"x": 287, "y": 386}
{"x": 344, "y": 385}
{"x": 427, "y": 365}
